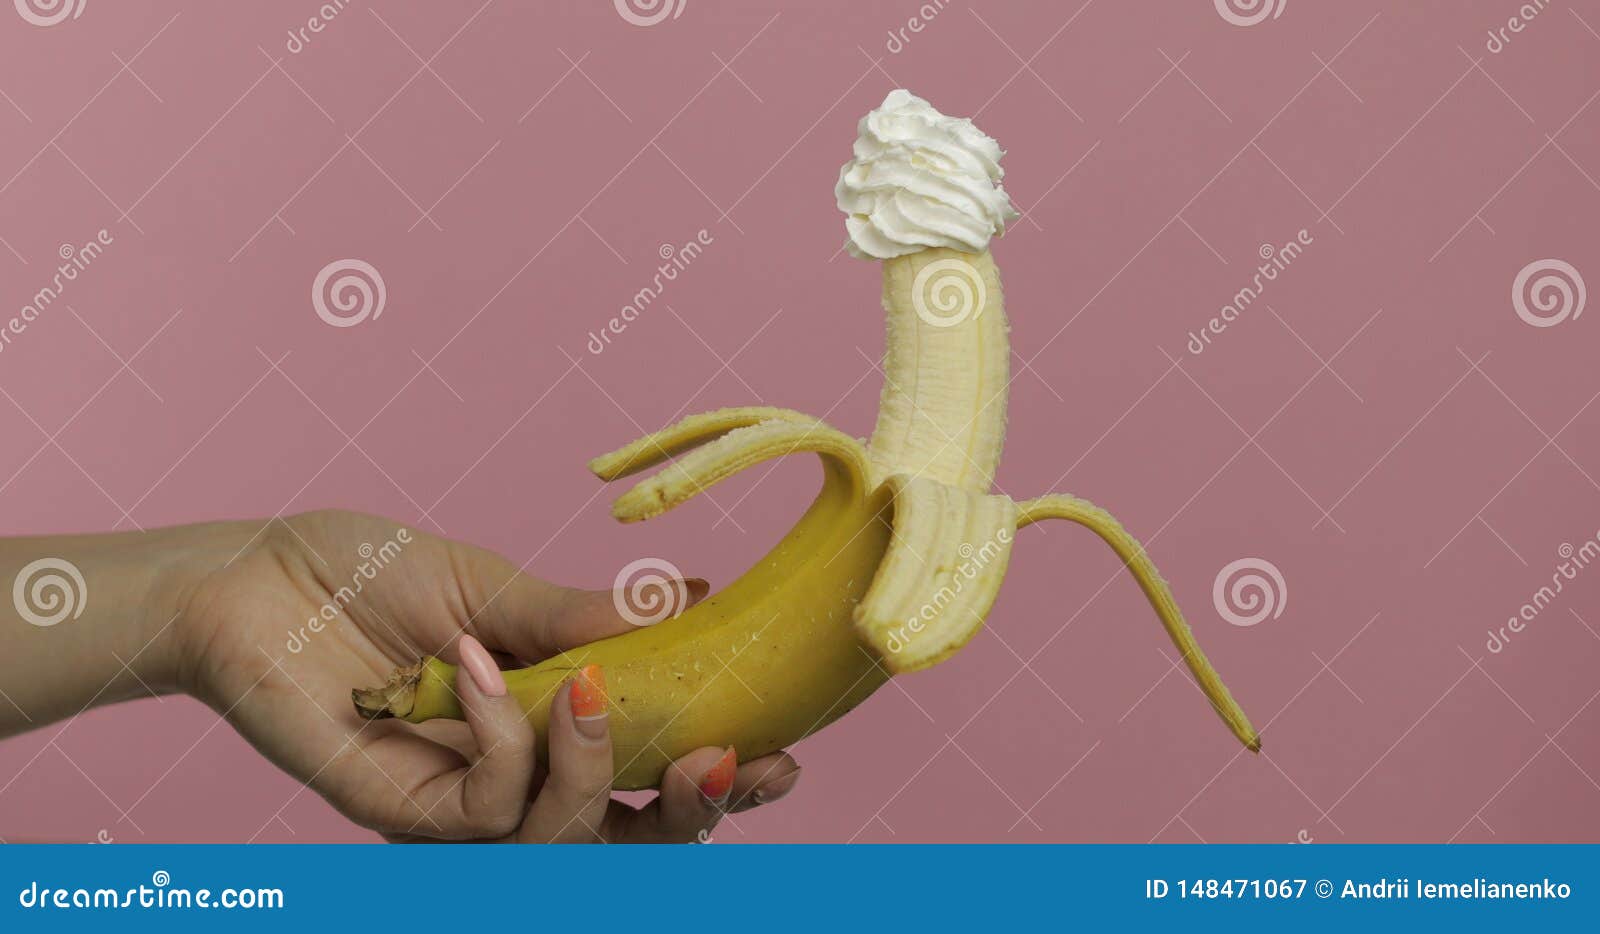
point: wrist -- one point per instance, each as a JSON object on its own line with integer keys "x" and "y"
{"x": 178, "y": 619}
{"x": 98, "y": 618}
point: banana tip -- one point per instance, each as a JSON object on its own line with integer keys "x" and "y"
{"x": 370, "y": 703}
{"x": 396, "y": 698}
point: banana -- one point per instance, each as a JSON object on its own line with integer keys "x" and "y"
{"x": 892, "y": 569}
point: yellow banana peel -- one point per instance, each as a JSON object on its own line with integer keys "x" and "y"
{"x": 892, "y": 569}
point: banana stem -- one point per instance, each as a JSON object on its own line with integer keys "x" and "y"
{"x": 1103, "y": 524}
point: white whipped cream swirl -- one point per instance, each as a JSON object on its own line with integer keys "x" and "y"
{"x": 921, "y": 179}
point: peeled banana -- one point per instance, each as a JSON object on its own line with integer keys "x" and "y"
{"x": 892, "y": 569}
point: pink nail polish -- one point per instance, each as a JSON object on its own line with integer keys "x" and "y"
{"x": 480, "y": 667}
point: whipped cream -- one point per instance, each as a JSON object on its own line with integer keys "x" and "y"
{"x": 921, "y": 179}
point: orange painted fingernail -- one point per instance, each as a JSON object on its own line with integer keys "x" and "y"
{"x": 717, "y": 783}
{"x": 589, "y": 702}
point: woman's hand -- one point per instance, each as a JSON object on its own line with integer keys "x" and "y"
{"x": 275, "y": 637}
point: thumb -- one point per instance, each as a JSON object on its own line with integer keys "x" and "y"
{"x": 534, "y": 619}
{"x": 590, "y": 615}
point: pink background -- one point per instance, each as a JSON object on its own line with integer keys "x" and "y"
{"x": 1381, "y": 427}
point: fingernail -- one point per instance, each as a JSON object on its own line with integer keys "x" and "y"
{"x": 717, "y": 783}
{"x": 484, "y": 672}
{"x": 698, "y": 588}
{"x": 776, "y": 788}
{"x": 589, "y": 702}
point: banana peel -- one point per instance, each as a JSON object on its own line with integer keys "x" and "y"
{"x": 892, "y": 569}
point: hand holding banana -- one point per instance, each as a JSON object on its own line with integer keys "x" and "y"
{"x": 897, "y": 562}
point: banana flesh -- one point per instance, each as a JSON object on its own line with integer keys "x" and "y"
{"x": 892, "y": 569}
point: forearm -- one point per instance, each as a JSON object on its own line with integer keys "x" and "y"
{"x": 93, "y": 619}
